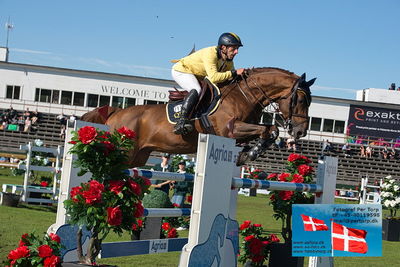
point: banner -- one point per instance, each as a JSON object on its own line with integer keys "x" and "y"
{"x": 372, "y": 121}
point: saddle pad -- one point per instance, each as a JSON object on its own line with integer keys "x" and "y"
{"x": 173, "y": 108}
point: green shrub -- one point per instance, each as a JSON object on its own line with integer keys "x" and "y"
{"x": 157, "y": 199}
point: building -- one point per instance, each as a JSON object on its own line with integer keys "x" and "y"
{"x": 69, "y": 91}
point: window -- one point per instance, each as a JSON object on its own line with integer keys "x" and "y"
{"x": 117, "y": 101}
{"x": 13, "y": 91}
{"x": 45, "y": 95}
{"x": 152, "y": 102}
{"x": 66, "y": 97}
{"x": 104, "y": 100}
{"x": 328, "y": 125}
{"x": 93, "y": 100}
{"x": 279, "y": 121}
{"x": 79, "y": 99}
{"x": 37, "y": 94}
{"x": 339, "y": 127}
{"x": 267, "y": 118}
{"x": 130, "y": 102}
{"x": 55, "y": 99}
{"x": 315, "y": 124}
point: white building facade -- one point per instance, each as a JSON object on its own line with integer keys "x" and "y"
{"x": 68, "y": 91}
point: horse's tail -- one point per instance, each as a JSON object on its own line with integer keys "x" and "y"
{"x": 100, "y": 114}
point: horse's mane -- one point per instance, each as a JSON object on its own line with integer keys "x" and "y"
{"x": 266, "y": 69}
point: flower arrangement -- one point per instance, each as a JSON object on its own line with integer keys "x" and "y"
{"x": 298, "y": 171}
{"x": 168, "y": 231}
{"x": 33, "y": 251}
{"x": 111, "y": 200}
{"x": 257, "y": 174}
{"x": 255, "y": 246}
{"x": 390, "y": 195}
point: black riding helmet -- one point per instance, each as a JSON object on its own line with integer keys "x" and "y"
{"x": 229, "y": 38}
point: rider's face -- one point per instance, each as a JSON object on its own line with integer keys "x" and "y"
{"x": 230, "y": 51}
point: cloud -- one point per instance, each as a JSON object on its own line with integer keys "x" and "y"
{"x": 30, "y": 51}
{"x": 327, "y": 88}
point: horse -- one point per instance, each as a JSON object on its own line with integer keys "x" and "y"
{"x": 237, "y": 116}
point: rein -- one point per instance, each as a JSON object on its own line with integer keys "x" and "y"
{"x": 273, "y": 101}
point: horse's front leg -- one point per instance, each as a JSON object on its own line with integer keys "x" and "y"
{"x": 266, "y": 134}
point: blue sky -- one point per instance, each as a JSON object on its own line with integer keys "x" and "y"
{"x": 347, "y": 45}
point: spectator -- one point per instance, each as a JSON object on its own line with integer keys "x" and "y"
{"x": 35, "y": 117}
{"x": 27, "y": 113}
{"x": 72, "y": 119}
{"x": 21, "y": 123}
{"x": 291, "y": 144}
{"x": 12, "y": 113}
{"x": 368, "y": 152}
{"x": 180, "y": 188}
{"x": 346, "y": 149}
{"x": 392, "y": 86}
{"x": 62, "y": 119}
{"x": 62, "y": 132}
{"x": 384, "y": 152}
{"x": 163, "y": 166}
{"x": 362, "y": 151}
{"x": 392, "y": 153}
{"x": 28, "y": 124}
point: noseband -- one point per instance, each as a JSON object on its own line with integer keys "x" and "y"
{"x": 293, "y": 99}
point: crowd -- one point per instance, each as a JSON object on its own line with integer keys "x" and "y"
{"x": 393, "y": 87}
{"x": 12, "y": 120}
{"x": 64, "y": 120}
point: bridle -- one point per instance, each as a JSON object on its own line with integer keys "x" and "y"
{"x": 293, "y": 95}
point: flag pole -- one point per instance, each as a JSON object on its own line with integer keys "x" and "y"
{"x": 331, "y": 237}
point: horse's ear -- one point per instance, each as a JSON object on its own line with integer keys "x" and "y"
{"x": 311, "y": 82}
{"x": 303, "y": 77}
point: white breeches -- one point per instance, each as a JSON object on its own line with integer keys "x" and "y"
{"x": 186, "y": 80}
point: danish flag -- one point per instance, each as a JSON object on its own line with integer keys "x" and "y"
{"x": 312, "y": 224}
{"x": 349, "y": 239}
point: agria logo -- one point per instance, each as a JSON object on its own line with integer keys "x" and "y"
{"x": 359, "y": 112}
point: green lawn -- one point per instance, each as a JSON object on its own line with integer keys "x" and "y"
{"x": 16, "y": 221}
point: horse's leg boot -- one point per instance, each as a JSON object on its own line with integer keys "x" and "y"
{"x": 183, "y": 126}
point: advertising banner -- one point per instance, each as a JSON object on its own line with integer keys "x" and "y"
{"x": 331, "y": 230}
{"x": 373, "y": 121}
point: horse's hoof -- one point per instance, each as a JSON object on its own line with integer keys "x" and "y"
{"x": 242, "y": 158}
{"x": 253, "y": 154}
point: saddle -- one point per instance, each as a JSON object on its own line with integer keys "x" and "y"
{"x": 206, "y": 105}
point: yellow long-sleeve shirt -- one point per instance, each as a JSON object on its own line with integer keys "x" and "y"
{"x": 205, "y": 62}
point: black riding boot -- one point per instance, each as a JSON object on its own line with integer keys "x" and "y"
{"x": 183, "y": 126}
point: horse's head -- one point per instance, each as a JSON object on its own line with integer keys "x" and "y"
{"x": 294, "y": 107}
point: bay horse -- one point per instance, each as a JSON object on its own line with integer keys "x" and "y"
{"x": 239, "y": 112}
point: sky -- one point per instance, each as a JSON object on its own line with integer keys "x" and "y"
{"x": 347, "y": 45}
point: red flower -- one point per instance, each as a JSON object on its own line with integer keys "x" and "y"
{"x": 297, "y": 178}
{"x": 44, "y": 183}
{"x": 172, "y": 233}
{"x": 189, "y": 198}
{"x": 285, "y": 195}
{"x": 52, "y": 261}
{"x": 257, "y": 258}
{"x": 114, "y": 216}
{"x": 274, "y": 238}
{"x": 256, "y": 246}
{"x": 139, "y": 210}
{"x": 249, "y": 238}
{"x": 245, "y": 225}
{"x": 72, "y": 142}
{"x": 165, "y": 226}
{"x": 116, "y": 186}
{"x": 304, "y": 169}
{"x": 283, "y": 177}
{"x": 272, "y": 197}
{"x": 175, "y": 205}
{"x": 18, "y": 253}
{"x": 108, "y": 147}
{"x": 127, "y": 132}
{"x": 87, "y": 134}
{"x": 45, "y": 251}
{"x": 293, "y": 157}
{"x": 55, "y": 237}
{"x": 23, "y": 241}
{"x": 272, "y": 176}
{"x": 146, "y": 181}
{"x": 93, "y": 194}
{"x": 307, "y": 160}
{"x": 257, "y": 225}
{"x": 137, "y": 225}
{"x": 74, "y": 192}
{"x": 135, "y": 187}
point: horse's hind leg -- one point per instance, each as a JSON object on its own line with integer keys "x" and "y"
{"x": 138, "y": 158}
{"x": 266, "y": 134}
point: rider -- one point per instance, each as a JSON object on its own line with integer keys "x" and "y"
{"x": 215, "y": 62}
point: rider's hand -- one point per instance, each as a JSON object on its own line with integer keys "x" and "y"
{"x": 240, "y": 71}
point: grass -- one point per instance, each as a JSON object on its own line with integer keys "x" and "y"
{"x": 27, "y": 218}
